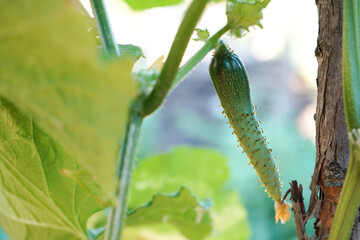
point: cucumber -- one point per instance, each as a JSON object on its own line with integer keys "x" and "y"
{"x": 231, "y": 82}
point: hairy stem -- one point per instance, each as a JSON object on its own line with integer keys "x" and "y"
{"x": 196, "y": 59}
{"x": 168, "y": 73}
{"x": 117, "y": 214}
{"x": 104, "y": 27}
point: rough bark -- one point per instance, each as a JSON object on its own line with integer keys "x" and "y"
{"x": 332, "y": 151}
{"x": 298, "y": 208}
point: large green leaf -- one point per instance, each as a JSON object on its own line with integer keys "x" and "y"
{"x": 36, "y": 200}
{"x": 146, "y": 4}
{"x": 21, "y": 231}
{"x": 156, "y": 232}
{"x": 50, "y": 68}
{"x": 180, "y": 209}
{"x": 203, "y": 171}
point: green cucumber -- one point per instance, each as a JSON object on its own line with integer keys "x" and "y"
{"x": 230, "y": 79}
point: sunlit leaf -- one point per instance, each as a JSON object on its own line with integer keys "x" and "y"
{"x": 243, "y": 14}
{"x": 50, "y": 68}
{"x": 205, "y": 172}
{"x": 229, "y": 218}
{"x": 180, "y": 209}
{"x": 131, "y": 51}
{"x": 154, "y": 232}
{"x": 36, "y": 200}
{"x": 146, "y": 4}
{"x": 168, "y": 172}
{"x": 201, "y": 35}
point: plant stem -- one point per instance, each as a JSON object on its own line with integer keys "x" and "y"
{"x": 351, "y": 62}
{"x": 168, "y": 73}
{"x": 350, "y": 196}
{"x": 185, "y": 69}
{"x": 127, "y": 158}
{"x": 104, "y": 27}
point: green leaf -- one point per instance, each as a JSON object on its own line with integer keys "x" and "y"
{"x": 154, "y": 232}
{"x": 96, "y": 233}
{"x": 146, "y": 4}
{"x": 50, "y": 68}
{"x": 180, "y": 209}
{"x": 21, "y": 231}
{"x": 146, "y": 79}
{"x": 230, "y": 218}
{"x": 205, "y": 172}
{"x": 166, "y": 173}
{"x": 242, "y": 14}
{"x": 36, "y": 200}
{"x": 129, "y": 50}
{"x": 201, "y": 35}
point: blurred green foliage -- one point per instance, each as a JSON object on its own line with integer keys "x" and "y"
{"x": 3, "y": 235}
{"x": 205, "y": 172}
{"x": 181, "y": 209}
{"x": 147, "y": 4}
{"x": 190, "y": 116}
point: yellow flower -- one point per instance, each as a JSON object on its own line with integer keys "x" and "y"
{"x": 282, "y": 212}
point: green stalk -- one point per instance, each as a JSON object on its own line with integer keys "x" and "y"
{"x": 351, "y": 62}
{"x": 185, "y": 69}
{"x": 350, "y": 195}
{"x": 117, "y": 214}
{"x": 171, "y": 65}
{"x": 104, "y": 27}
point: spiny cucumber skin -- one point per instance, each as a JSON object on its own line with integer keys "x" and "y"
{"x": 231, "y": 83}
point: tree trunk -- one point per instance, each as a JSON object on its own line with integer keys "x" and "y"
{"x": 332, "y": 150}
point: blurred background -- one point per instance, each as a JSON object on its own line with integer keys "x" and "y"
{"x": 282, "y": 70}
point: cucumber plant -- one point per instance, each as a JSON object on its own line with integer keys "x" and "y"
{"x": 63, "y": 115}
{"x": 231, "y": 83}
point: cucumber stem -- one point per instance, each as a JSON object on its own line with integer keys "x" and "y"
{"x": 117, "y": 214}
{"x": 210, "y": 44}
{"x": 171, "y": 65}
{"x": 349, "y": 199}
{"x": 351, "y": 62}
{"x": 350, "y": 195}
{"x": 104, "y": 27}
